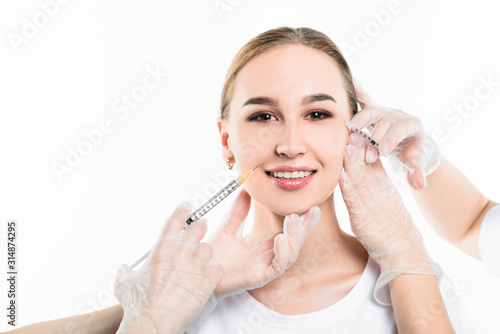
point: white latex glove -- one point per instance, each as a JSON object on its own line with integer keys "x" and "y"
{"x": 380, "y": 221}
{"x": 399, "y": 134}
{"x": 175, "y": 282}
{"x": 248, "y": 266}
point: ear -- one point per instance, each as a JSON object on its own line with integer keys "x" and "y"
{"x": 224, "y": 137}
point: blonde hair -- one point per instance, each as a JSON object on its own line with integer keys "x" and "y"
{"x": 280, "y": 37}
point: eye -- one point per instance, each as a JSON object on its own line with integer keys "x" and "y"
{"x": 263, "y": 117}
{"x": 318, "y": 114}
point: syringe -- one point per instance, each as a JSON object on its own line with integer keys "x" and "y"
{"x": 212, "y": 202}
{"x": 374, "y": 143}
{"x": 217, "y": 198}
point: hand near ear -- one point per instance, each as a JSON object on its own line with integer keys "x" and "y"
{"x": 399, "y": 134}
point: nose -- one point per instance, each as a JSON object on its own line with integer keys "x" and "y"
{"x": 292, "y": 142}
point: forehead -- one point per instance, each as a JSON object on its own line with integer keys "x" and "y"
{"x": 290, "y": 71}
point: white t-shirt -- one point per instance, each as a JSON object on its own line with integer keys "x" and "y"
{"x": 489, "y": 241}
{"x": 357, "y": 312}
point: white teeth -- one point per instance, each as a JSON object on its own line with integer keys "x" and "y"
{"x": 291, "y": 175}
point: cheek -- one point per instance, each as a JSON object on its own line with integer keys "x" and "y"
{"x": 329, "y": 146}
{"x": 251, "y": 146}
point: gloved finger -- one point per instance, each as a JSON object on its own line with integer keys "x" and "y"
{"x": 297, "y": 231}
{"x": 380, "y": 130}
{"x": 360, "y": 144}
{"x": 363, "y": 98}
{"x": 238, "y": 212}
{"x": 175, "y": 223}
{"x": 372, "y": 154}
{"x": 399, "y": 132}
{"x": 264, "y": 250}
{"x": 195, "y": 232}
{"x": 354, "y": 159}
{"x": 353, "y": 202}
{"x": 292, "y": 230}
{"x": 417, "y": 181}
{"x": 204, "y": 252}
{"x": 310, "y": 220}
{"x": 280, "y": 259}
{"x": 354, "y": 167}
{"x": 352, "y": 163}
{"x": 413, "y": 156}
{"x": 268, "y": 242}
{"x": 367, "y": 116}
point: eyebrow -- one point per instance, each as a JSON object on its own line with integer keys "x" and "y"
{"x": 264, "y": 100}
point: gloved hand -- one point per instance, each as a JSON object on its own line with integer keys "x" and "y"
{"x": 399, "y": 134}
{"x": 249, "y": 266}
{"x": 174, "y": 283}
{"x": 380, "y": 221}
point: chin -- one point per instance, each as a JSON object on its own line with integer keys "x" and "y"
{"x": 291, "y": 207}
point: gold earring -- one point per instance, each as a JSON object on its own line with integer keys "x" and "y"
{"x": 229, "y": 166}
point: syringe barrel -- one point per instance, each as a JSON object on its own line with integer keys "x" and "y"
{"x": 213, "y": 201}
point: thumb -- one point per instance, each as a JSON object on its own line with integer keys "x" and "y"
{"x": 238, "y": 212}
{"x": 417, "y": 181}
{"x": 414, "y": 156}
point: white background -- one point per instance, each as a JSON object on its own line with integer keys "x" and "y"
{"x": 74, "y": 232}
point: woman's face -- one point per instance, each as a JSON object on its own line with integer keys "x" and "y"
{"x": 287, "y": 114}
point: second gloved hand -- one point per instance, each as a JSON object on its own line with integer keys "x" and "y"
{"x": 380, "y": 221}
{"x": 399, "y": 134}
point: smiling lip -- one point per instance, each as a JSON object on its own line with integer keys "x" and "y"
{"x": 287, "y": 168}
{"x": 292, "y": 184}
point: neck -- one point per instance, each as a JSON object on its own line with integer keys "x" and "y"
{"x": 267, "y": 222}
{"x": 327, "y": 268}
{"x": 327, "y": 244}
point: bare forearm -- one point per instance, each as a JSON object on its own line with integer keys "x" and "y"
{"x": 105, "y": 321}
{"x": 453, "y": 206}
{"x": 418, "y": 305}
{"x": 144, "y": 324}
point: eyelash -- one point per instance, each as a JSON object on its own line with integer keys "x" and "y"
{"x": 322, "y": 114}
